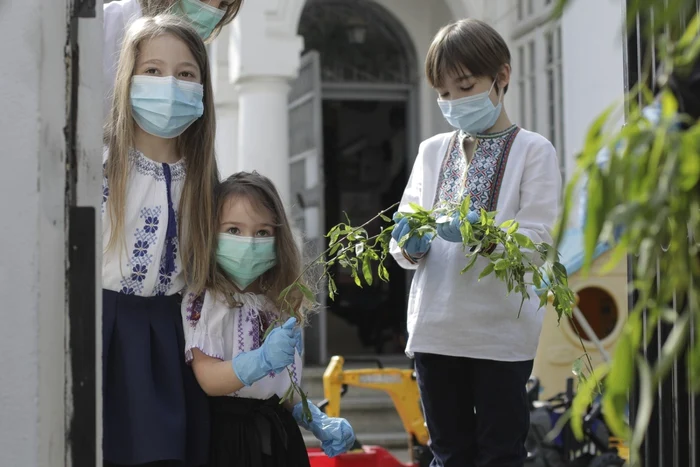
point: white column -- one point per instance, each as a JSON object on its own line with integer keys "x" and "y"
{"x": 226, "y": 139}
{"x": 263, "y": 129}
{"x": 263, "y": 55}
{"x": 226, "y": 102}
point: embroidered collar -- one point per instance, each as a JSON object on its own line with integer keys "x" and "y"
{"x": 151, "y": 168}
{"x": 482, "y": 177}
{"x": 498, "y": 134}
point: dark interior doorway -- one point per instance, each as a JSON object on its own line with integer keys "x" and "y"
{"x": 365, "y": 170}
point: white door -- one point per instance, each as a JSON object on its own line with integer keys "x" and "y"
{"x": 306, "y": 183}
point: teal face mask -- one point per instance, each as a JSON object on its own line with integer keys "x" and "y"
{"x": 245, "y": 258}
{"x": 201, "y": 16}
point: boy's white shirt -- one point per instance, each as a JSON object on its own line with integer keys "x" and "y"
{"x": 455, "y": 314}
{"x": 118, "y": 15}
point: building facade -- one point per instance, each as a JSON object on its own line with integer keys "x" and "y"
{"x": 328, "y": 98}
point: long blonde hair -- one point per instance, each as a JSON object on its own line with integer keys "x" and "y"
{"x": 197, "y": 233}
{"x": 261, "y": 193}
{"x": 159, "y": 7}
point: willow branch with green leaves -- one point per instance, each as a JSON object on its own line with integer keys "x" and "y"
{"x": 509, "y": 253}
{"x": 350, "y": 234}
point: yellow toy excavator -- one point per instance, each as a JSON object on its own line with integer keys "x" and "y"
{"x": 401, "y": 386}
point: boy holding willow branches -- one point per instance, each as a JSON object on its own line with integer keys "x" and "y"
{"x": 473, "y": 343}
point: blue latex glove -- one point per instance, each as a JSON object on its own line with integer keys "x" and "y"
{"x": 449, "y": 230}
{"x": 274, "y": 355}
{"x": 299, "y": 342}
{"x": 335, "y": 434}
{"x": 415, "y": 246}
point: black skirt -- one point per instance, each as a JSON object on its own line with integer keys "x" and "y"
{"x": 254, "y": 433}
{"x": 154, "y": 410}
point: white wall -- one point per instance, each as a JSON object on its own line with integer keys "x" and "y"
{"x": 32, "y": 231}
{"x": 32, "y": 86}
{"x": 592, "y": 66}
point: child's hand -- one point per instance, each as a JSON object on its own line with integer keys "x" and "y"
{"x": 416, "y": 245}
{"x": 449, "y": 230}
{"x": 336, "y": 434}
{"x": 275, "y": 354}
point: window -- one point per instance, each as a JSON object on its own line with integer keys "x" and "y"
{"x": 555, "y": 93}
{"x": 600, "y": 310}
{"x": 522, "y": 92}
{"x": 538, "y": 72}
{"x": 520, "y": 10}
{"x": 527, "y": 84}
{"x": 532, "y": 74}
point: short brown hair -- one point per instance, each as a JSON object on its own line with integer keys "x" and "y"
{"x": 467, "y": 43}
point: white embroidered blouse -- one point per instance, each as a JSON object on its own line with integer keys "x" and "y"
{"x": 515, "y": 172}
{"x": 222, "y": 332}
{"x": 147, "y": 262}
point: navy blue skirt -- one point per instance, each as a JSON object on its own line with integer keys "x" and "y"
{"x": 153, "y": 408}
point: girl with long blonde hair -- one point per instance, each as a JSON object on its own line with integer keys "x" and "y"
{"x": 207, "y": 17}
{"x": 243, "y": 374}
{"x": 158, "y": 233}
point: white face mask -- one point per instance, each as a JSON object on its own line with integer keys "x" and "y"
{"x": 472, "y": 114}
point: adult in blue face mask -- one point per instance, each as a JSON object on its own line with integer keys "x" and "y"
{"x": 207, "y": 17}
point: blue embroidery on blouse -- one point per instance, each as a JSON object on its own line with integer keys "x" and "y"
{"x": 149, "y": 168}
{"x": 141, "y": 257}
{"x": 165, "y": 279}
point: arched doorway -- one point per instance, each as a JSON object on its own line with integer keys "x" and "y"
{"x": 353, "y": 133}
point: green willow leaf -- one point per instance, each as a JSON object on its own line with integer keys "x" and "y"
{"x": 367, "y": 271}
{"x": 306, "y": 291}
{"x": 584, "y": 398}
{"x": 486, "y": 271}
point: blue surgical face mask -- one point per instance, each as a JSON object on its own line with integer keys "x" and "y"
{"x": 164, "y": 106}
{"x": 245, "y": 258}
{"x": 203, "y": 18}
{"x": 472, "y": 114}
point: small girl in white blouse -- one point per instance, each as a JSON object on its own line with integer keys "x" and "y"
{"x": 245, "y": 376}
{"x": 473, "y": 349}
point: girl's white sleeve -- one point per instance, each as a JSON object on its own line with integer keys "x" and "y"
{"x": 412, "y": 194}
{"x": 540, "y": 192}
{"x": 203, "y": 322}
{"x": 117, "y": 16}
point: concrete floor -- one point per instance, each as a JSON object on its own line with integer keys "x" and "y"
{"x": 401, "y": 455}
